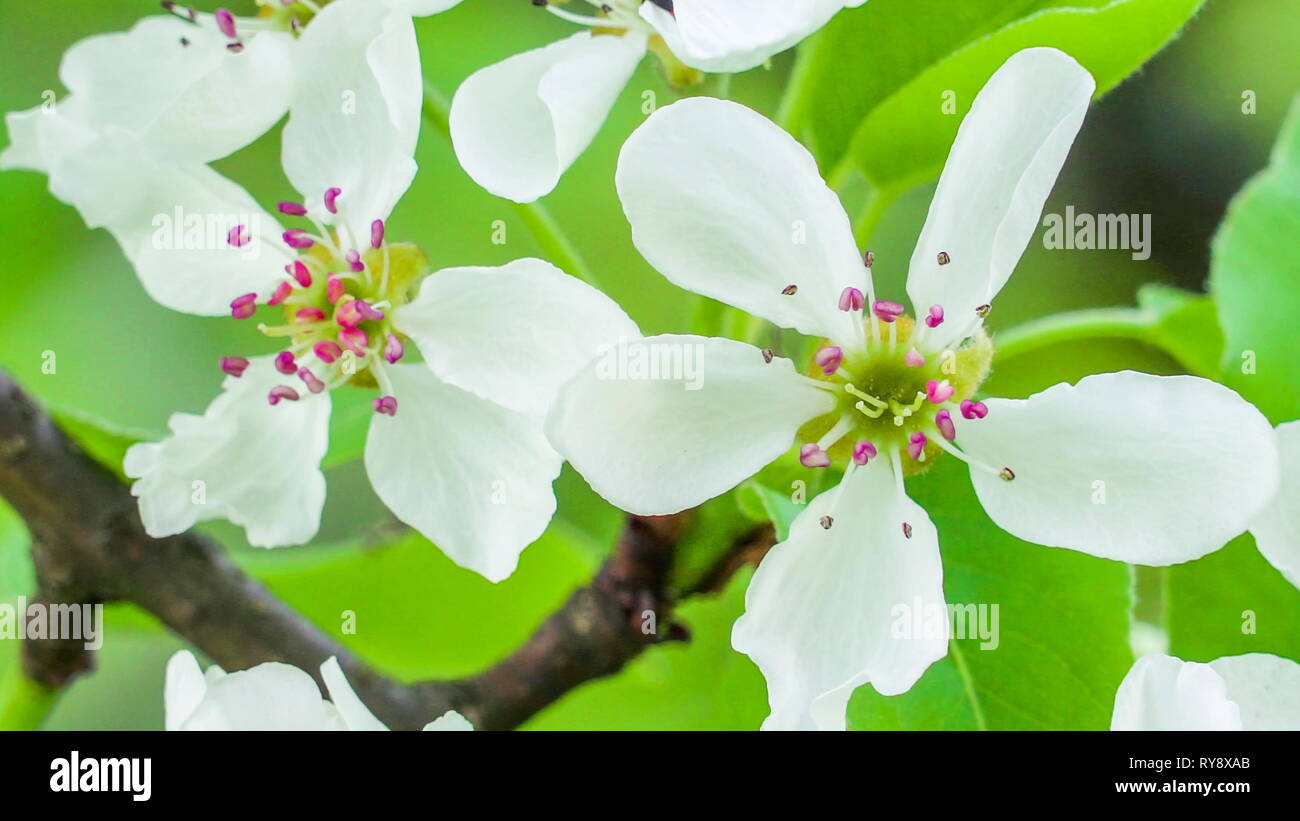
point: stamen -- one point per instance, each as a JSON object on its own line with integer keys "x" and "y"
{"x": 1007, "y": 475}
{"x": 385, "y": 405}
{"x": 896, "y": 462}
{"x": 376, "y": 234}
{"x": 284, "y": 363}
{"x": 935, "y": 319}
{"x": 354, "y": 261}
{"x": 308, "y": 314}
{"x": 331, "y": 199}
{"x": 394, "y": 350}
{"x": 238, "y": 236}
{"x": 225, "y": 22}
{"x": 242, "y": 307}
{"x": 963, "y": 456}
{"x": 826, "y": 522}
{"x": 234, "y": 365}
{"x": 864, "y": 452}
{"x": 298, "y": 238}
{"x": 836, "y": 433}
{"x": 944, "y": 258}
{"x": 334, "y": 290}
{"x": 829, "y": 359}
{"x": 887, "y": 311}
{"x": 790, "y": 290}
{"x": 811, "y": 456}
{"x": 907, "y": 530}
{"x": 943, "y": 421}
{"x": 865, "y": 397}
{"x": 281, "y": 293}
{"x": 916, "y": 446}
{"x": 983, "y": 310}
{"x": 768, "y": 355}
{"x": 313, "y": 384}
{"x": 293, "y": 209}
{"x": 327, "y": 351}
{"x": 851, "y": 299}
{"x": 282, "y": 392}
{"x": 299, "y": 271}
{"x": 973, "y": 410}
{"x": 355, "y": 340}
{"x": 914, "y": 359}
{"x": 938, "y": 392}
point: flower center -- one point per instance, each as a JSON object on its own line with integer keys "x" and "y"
{"x": 617, "y": 17}
{"x": 337, "y": 302}
{"x": 272, "y": 15}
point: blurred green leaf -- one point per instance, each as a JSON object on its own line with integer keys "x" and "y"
{"x": 907, "y": 58}
{"x": 1062, "y": 638}
{"x": 103, "y": 441}
{"x": 1231, "y": 602}
{"x": 1185, "y": 325}
{"x": 1253, "y": 276}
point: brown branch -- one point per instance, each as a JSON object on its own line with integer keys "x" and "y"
{"x": 89, "y": 547}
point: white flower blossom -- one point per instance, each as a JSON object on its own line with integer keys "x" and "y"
{"x": 178, "y": 91}
{"x": 1257, "y": 691}
{"x": 455, "y": 448}
{"x": 519, "y": 124}
{"x": 1127, "y": 466}
{"x": 270, "y": 696}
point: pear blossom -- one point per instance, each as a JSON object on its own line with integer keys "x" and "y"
{"x": 270, "y": 696}
{"x": 455, "y": 446}
{"x": 1256, "y": 691}
{"x": 726, "y": 204}
{"x": 175, "y": 92}
{"x": 519, "y": 124}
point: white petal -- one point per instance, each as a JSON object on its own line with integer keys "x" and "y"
{"x": 830, "y": 610}
{"x": 186, "y": 103}
{"x": 1166, "y": 693}
{"x": 1144, "y": 469}
{"x": 1265, "y": 687}
{"x": 1003, "y": 164}
{"x": 355, "y": 112}
{"x": 242, "y": 460}
{"x": 271, "y": 696}
{"x": 724, "y": 203}
{"x": 423, "y": 8}
{"x": 511, "y": 334}
{"x": 662, "y": 424}
{"x": 723, "y": 36}
{"x": 519, "y": 124}
{"x": 1277, "y": 530}
{"x": 351, "y": 709}
{"x": 184, "y": 689}
{"x": 472, "y": 476}
{"x": 450, "y": 721}
{"x": 171, "y": 222}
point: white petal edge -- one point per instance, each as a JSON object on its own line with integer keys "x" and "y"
{"x": 1265, "y": 687}
{"x": 270, "y": 696}
{"x": 661, "y": 424}
{"x": 1144, "y": 469}
{"x": 725, "y": 37}
{"x": 830, "y": 610}
{"x": 1277, "y": 528}
{"x": 243, "y": 460}
{"x": 518, "y": 125}
{"x": 1006, "y": 157}
{"x": 353, "y": 712}
{"x": 512, "y": 334}
{"x": 1165, "y": 693}
{"x": 183, "y": 690}
{"x": 450, "y": 721}
{"x": 724, "y": 203}
{"x": 472, "y": 476}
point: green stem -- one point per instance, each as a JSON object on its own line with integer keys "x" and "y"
{"x": 535, "y": 216}
{"x": 1111, "y": 323}
{"x": 24, "y": 704}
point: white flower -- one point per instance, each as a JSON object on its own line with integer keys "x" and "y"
{"x": 455, "y": 448}
{"x": 175, "y": 92}
{"x": 270, "y": 696}
{"x": 1127, "y": 466}
{"x": 519, "y": 124}
{"x": 1257, "y": 691}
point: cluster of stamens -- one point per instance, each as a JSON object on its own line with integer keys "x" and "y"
{"x": 895, "y": 395}
{"x": 336, "y": 300}
{"x": 619, "y": 14}
{"x": 276, "y": 15}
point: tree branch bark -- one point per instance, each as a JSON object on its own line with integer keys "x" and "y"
{"x": 90, "y": 547}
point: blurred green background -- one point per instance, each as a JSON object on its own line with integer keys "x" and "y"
{"x": 1171, "y": 141}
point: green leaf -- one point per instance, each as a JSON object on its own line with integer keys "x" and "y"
{"x": 1253, "y": 276}
{"x": 1062, "y": 638}
{"x": 1231, "y": 602}
{"x": 1185, "y": 325}
{"x": 103, "y": 441}
{"x": 906, "y": 58}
